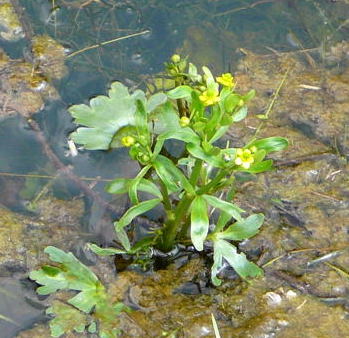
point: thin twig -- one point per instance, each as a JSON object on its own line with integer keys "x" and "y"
{"x": 106, "y": 43}
{"x": 98, "y": 179}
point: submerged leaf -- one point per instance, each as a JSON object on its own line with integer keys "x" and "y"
{"x": 67, "y": 319}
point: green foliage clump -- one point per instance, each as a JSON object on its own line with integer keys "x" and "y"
{"x": 196, "y": 189}
{"x": 90, "y": 309}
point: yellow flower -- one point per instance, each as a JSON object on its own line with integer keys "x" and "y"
{"x": 226, "y": 80}
{"x": 245, "y": 157}
{"x": 209, "y": 97}
{"x": 184, "y": 121}
{"x": 128, "y": 141}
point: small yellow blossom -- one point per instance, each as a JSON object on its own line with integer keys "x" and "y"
{"x": 245, "y": 157}
{"x": 184, "y": 121}
{"x": 128, "y": 141}
{"x": 209, "y": 97}
{"x": 226, "y": 80}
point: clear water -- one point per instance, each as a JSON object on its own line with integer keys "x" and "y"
{"x": 259, "y": 26}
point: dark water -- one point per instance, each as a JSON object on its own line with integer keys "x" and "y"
{"x": 211, "y": 32}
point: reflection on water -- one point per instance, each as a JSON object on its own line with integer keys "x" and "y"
{"x": 215, "y": 33}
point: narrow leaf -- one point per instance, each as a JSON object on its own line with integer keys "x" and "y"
{"x": 172, "y": 176}
{"x": 230, "y": 208}
{"x": 135, "y": 211}
{"x": 105, "y": 251}
{"x": 199, "y": 222}
{"x": 270, "y": 144}
{"x": 197, "y": 152}
{"x": 244, "y": 229}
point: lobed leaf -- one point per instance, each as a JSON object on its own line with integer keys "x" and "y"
{"x": 71, "y": 274}
{"x": 104, "y": 117}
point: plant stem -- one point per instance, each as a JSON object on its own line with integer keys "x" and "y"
{"x": 220, "y": 175}
{"x": 171, "y": 226}
{"x": 196, "y": 172}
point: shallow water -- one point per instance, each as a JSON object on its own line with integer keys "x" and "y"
{"x": 227, "y": 36}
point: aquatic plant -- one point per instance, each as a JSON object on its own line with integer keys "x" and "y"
{"x": 196, "y": 189}
{"x": 91, "y": 309}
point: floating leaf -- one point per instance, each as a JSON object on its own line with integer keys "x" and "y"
{"x": 104, "y": 117}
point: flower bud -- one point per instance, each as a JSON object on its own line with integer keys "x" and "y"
{"x": 184, "y": 121}
{"x": 128, "y": 141}
{"x": 175, "y": 58}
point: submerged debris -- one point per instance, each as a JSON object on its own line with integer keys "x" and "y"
{"x": 49, "y": 55}
{"x": 23, "y": 87}
{"x": 10, "y": 26}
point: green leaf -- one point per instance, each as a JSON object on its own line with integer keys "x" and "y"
{"x": 105, "y": 251}
{"x": 155, "y": 101}
{"x": 180, "y": 92}
{"x": 67, "y": 319}
{"x": 210, "y": 82}
{"x": 219, "y": 133}
{"x": 109, "y": 322}
{"x": 270, "y": 144}
{"x": 239, "y": 262}
{"x": 186, "y": 135}
{"x": 71, "y": 274}
{"x": 142, "y": 122}
{"x": 147, "y": 186}
{"x": 133, "y": 187}
{"x": 197, "y": 152}
{"x": 121, "y": 235}
{"x": 122, "y": 185}
{"x": 118, "y": 186}
{"x": 104, "y": 117}
{"x": 171, "y": 176}
{"x": 244, "y": 229}
{"x": 193, "y": 73}
{"x": 240, "y": 114}
{"x": 230, "y": 208}
{"x": 231, "y": 101}
{"x": 258, "y": 167}
{"x": 135, "y": 211}
{"x": 250, "y": 95}
{"x": 165, "y": 119}
{"x": 199, "y": 222}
